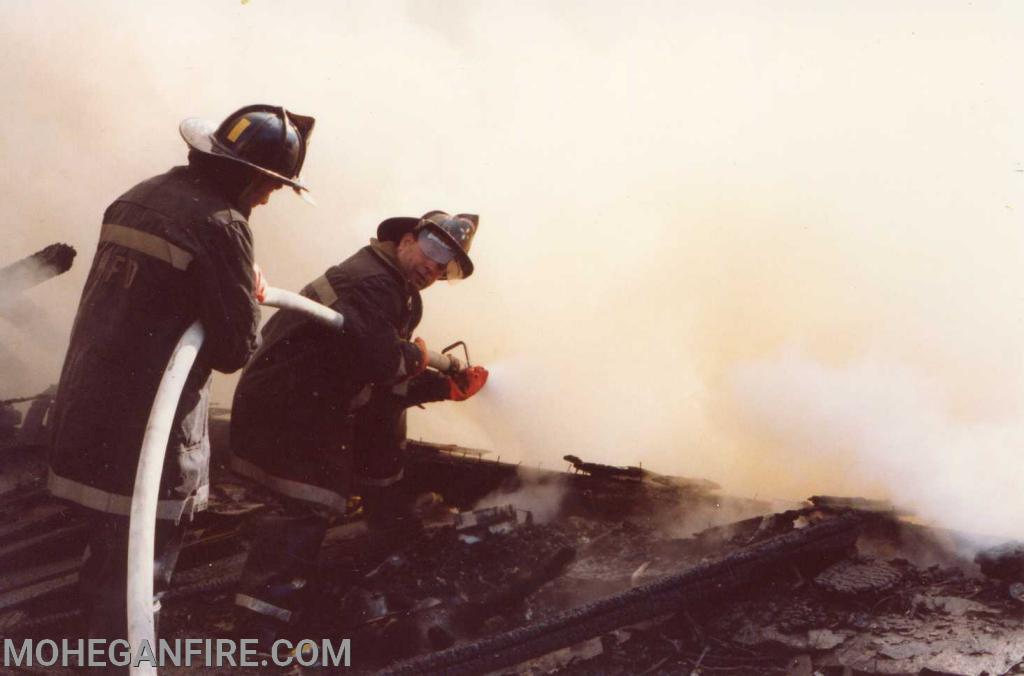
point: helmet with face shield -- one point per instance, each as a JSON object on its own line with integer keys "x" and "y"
{"x": 444, "y": 238}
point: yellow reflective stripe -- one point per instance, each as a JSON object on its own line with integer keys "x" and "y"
{"x": 115, "y": 503}
{"x": 237, "y": 130}
{"x": 289, "y": 487}
{"x": 324, "y": 291}
{"x": 146, "y": 243}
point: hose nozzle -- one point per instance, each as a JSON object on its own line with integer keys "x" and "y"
{"x": 447, "y": 363}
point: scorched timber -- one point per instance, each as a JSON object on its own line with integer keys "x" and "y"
{"x": 54, "y": 260}
{"x": 817, "y": 545}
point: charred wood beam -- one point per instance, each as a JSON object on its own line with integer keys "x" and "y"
{"x": 604, "y": 471}
{"x": 464, "y": 477}
{"x": 39, "y": 519}
{"x": 198, "y": 562}
{"x": 864, "y": 504}
{"x": 26, "y": 576}
{"x": 61, "y": 542}
{"x": 23, "y": 498}
{"x": 54, "y": 260}
{"x": 37, "y": 590}
{"x": 821, "y": 543}
{"x": 211, "y": 578}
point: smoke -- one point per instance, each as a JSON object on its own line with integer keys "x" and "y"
{"x": 28, "y": 330}
{"x": 778, "y": 247}
{"x": 884, "y": 429}
{"x": 542, "y": 497}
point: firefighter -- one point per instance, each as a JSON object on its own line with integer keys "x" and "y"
{"x": 173, "y": 249}
{"x": 319, "y": 415}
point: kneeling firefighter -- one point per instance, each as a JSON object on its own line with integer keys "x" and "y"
{"x": 319, "y": 415}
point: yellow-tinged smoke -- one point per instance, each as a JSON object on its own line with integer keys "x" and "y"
{"x": 778, "y": 247}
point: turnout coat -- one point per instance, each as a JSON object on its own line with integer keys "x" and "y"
{"x": 171, "y": 250}
{"x": 318, "y": 412}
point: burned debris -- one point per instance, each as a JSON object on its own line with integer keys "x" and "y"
{"x": 629, "y": 473}
{"x": 700, "y": 584}
{"x": 621, "y": 571}
{"x": 1003, "y": 562}
{"x": 603, "y": 471}
{"x": 591, "y": 590}
{"x": 854, "y": 577}
{"x": 17, "y": 277}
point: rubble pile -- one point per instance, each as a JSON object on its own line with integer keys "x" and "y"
{"x": 861, "y": 615}
{"x": 615, "y": 582}
{"x": 442, "y": 565}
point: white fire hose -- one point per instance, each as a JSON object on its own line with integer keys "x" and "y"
{"x": 289, "y": 300}
{"x": 142, "y": 527}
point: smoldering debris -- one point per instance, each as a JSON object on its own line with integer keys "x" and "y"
{"x": 1005, "y": 562}
{"x": 28, "y": 325}
{"x": 855, "y": 577}
{"x": 15, "y": 278}
{"x": 602, "y": 586}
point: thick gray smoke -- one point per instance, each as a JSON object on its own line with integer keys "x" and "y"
{"x": 775, "y": 246}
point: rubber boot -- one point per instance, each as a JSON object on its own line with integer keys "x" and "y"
{"x": 279, "y": 575}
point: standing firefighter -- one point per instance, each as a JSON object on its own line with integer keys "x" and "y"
{"x": 173, "y": 249}
{"x": 319, "y": 415}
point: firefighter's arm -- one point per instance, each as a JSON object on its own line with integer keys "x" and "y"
{"x": 228, "y": 308}
{"x": 372, "y": 311}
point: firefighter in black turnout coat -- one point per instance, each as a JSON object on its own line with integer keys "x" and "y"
{"x": 173, "y": 249}
{"x": 320, "y": 415}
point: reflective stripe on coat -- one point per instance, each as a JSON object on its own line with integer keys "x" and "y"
{"x": 171, "y": 250}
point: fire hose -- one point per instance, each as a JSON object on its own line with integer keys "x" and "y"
{"x": 142, "y": 525}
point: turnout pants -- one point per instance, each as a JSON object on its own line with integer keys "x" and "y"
{"x": 279, "y": 577}
{"x": 280, "y": 573}
{"x": 103, "y": 578}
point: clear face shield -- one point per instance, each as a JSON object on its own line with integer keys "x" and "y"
{"x": 440, "y": 252}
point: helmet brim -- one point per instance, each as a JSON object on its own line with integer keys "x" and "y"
{"x": 199, "y": 135}
{"x": 392, "y": 229}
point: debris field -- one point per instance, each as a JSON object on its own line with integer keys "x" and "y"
{"x": 588, "y": 570}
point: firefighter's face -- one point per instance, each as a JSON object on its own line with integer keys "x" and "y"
{"x": 419, "y": 268}
{"x": 260, "y": 190}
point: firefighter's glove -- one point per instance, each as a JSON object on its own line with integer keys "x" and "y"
{"x": 259, "y": 284}
{"x": 424, "y": 357}
{"x": 466, "y": 383}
